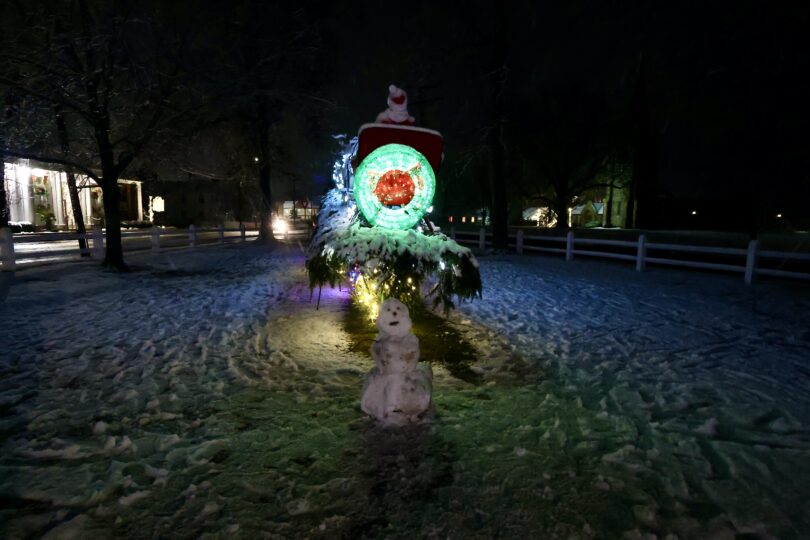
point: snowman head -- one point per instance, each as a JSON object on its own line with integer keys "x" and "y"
{"x": 394, "y": 318}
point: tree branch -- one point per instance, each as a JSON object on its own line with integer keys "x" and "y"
{"x": 47, "y": 98}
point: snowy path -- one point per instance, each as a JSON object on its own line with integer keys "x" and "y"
{"x": 204, "y": 395}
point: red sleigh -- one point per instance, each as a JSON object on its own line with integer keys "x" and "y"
{"x": 427, "y": 142}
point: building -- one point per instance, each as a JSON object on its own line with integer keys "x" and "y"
{"x": 38, "y": 197}
{"x": 588, "y": 214}
{"x": 202, "y": 202}
{"x": 299, "y": 210}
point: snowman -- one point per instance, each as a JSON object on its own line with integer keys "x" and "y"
{"x": 398, "y": 389}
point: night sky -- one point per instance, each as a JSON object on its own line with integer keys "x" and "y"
{"x": 727, "y": 81}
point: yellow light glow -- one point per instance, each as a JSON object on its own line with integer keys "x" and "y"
{"x": 280, "y": 226}
{"x": 366, "y": 294}
{"x": 158, "y": 204}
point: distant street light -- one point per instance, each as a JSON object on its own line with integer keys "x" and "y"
{"x": 778, "y": 216}
{"x": 694, "y": 212}
{"x": 256, "y": 159}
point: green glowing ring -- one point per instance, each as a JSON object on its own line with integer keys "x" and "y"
{"x": 387, "y": 158}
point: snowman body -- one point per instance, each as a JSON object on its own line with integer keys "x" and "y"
{"x": 398, "y": 389}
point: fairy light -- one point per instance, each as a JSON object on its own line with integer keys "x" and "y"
{"x": 369, "y": 291}
{"x": 366, "y": 294}
{"x": 394, "y": 186}
{"x": 342, "y": 173}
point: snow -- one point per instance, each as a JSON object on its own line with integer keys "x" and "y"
{"x": 203, "y": 395}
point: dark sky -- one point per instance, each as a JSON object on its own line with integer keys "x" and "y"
{"x": 727, "y": 81}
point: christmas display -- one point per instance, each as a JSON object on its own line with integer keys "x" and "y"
{"x": 398, "y": 389}
{"x": 394, "y": 186}
{"x": 372, "y": 227}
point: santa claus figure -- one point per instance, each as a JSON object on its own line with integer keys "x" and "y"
{"x": 397, "y": 111}
{"x": 398, "y": 389}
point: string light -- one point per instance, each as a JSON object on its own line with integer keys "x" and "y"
{"x": 394, "y": 186}
{"x": 342, "y": 173}
{"x": 369, "y": 291}
{"x": 366, "y": 293}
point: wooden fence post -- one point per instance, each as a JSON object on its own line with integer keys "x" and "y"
{"x": 98, "y": 243}
{"x": 519, "y": 242}
{"x": 242, "y": 231}
{"x": 7, "y": 259}
{"x": 221, "y": 233}
{"x": 751, "y": 261}
{"x": 155, "y": 239}
{"x": 569, "y": 246}
{"x": 482, "y": 238}
{"x": 192, "y": 235}
{"x": 641, "y": 253}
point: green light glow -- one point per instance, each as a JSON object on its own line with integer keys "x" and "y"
{"x": 377, "y": 163}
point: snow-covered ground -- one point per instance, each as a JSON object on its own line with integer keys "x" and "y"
{"x": 204, "y": 396}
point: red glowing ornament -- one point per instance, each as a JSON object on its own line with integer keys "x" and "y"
{"x": 395, "y": 188}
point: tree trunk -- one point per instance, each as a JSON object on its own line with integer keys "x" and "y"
{"x": 266, "y": 211}
{"x": 645, "y": 155}
{"x": 629, "y": 222}
{"x": 110, "y": 171}
{"x": 500, "y": 214}
{"x": 71, "y": 181}
{"x": 609, "y": 208}
{"x": 114, "y": 254}
{"x": 78, "y": 216}
{"x": 3, "y": 200}
{"x": 561, "y": 209}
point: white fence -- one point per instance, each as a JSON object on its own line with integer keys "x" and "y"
{"x": 46, "y": 244}
{"x": 749, "y": 258}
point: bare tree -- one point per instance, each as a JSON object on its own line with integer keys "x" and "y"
{"x": 119, "y": 84}
{"x": 564, "y": 135}
{"x": 269, "y": 66}
{"x": 500, "y": 231}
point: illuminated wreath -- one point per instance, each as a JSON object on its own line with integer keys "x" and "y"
{"x": 394, "y": 186}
